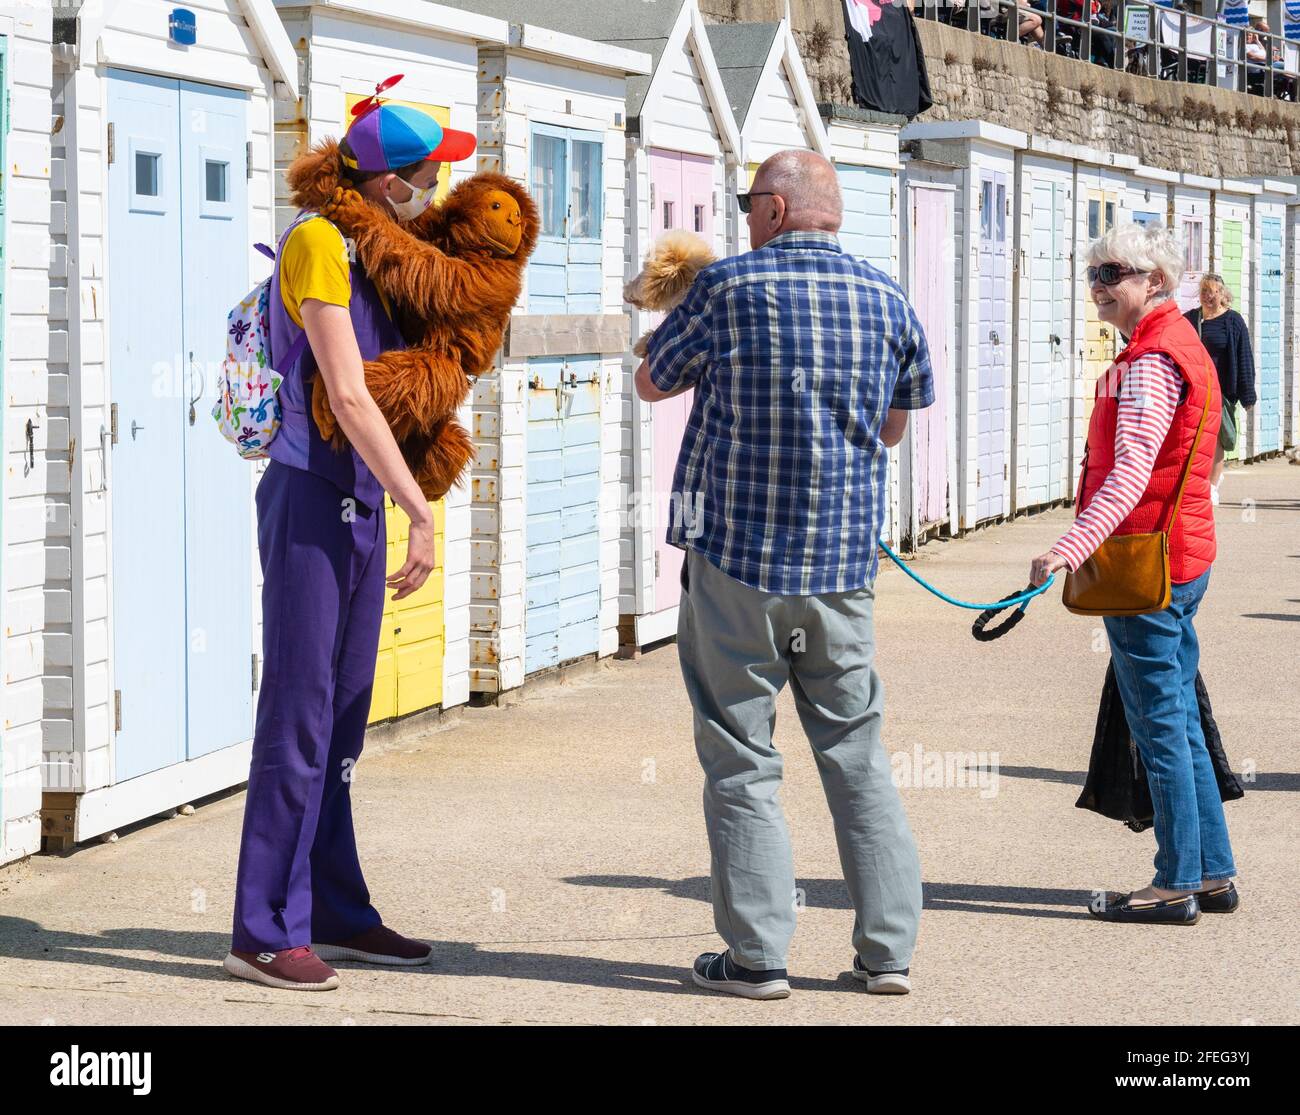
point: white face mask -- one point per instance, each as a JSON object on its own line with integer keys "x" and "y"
{"x": 420, "y": 200}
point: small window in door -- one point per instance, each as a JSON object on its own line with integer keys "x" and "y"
{"x": 548, "y": 178}
{"x": 1192, "y": 245}
{"x": 585, "y": 188}
{"x": 699, "y": 218}
{"x": 215, "y": 186}
{"x": 986, "y": 210}
{"x": 1001, "y": 216}
{"x": 668, "y": 214}
{"x": 1094, "y": 219}
{"x": 147, "y": 174}
{"x": 1110, "y": 215}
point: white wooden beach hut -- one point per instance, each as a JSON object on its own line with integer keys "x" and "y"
{"x": 982, "y": 160}
{"x": 1047, "y": 320}
{"x": 33, "y": 455}
{"x": 680, "y": 140}
{"x": 548, "y": 422}
{"x": 164, "y": 163}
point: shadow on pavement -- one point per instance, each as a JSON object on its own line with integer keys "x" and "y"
{"x": 832, "y": 894}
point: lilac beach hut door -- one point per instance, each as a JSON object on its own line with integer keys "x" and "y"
{"x": 681, "y": 198}
{"x": 931, "y": 285}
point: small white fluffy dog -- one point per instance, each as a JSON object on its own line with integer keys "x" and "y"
{"x": 670, "y": 268}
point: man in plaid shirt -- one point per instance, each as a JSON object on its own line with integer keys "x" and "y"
{"x": 805, "y": 362}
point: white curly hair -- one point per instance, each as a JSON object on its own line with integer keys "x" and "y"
{"x": 1146, "y": 248}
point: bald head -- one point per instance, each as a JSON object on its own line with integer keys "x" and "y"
{"x": 808, "y": 191}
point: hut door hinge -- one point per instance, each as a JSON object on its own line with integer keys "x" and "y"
{"x": 1004, "y": 470}
{"x": 112, "y": 146}
{"x": 248, "y": 160}
{"x": 256, "y": 679}
{"x": 112, "y": 424}
{"x": 656, "y": 563}
{"x": 117, "y": 710}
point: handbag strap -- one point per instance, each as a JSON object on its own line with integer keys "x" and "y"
{"x": 1187, "y": 468}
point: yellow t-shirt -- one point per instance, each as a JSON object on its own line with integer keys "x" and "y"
{"x": 314, "y": 264}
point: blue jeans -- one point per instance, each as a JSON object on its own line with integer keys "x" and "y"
{"x": 1156, "y": 658}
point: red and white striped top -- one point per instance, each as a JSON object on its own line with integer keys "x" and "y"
{"x": 1148, "y": 395}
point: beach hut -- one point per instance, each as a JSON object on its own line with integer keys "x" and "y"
{"x": 1189, "y": 218}
{"x": 771, "y": 100}
{"x": 680, "y": 138}
{"x": 548, "y": 421}
{"x": 1268, "y": 246}
{"x": 1232, "y": 255}
{"x": 344, "y": 49}
{"x": 1046, "y": 322}
{"x": 163, "y": 152}
{"x": 982, "y": 158}
{"x": 32, "y": 455}
{"x": 864, "y": 147}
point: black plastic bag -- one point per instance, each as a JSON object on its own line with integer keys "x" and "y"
{"x": 1116, "y": 785}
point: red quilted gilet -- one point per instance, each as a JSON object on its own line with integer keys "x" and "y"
{"x": 1191, "y": 540}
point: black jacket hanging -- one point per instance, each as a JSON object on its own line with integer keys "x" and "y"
{"x": 1116, "y": 785}
{"x": 885, "y": 57}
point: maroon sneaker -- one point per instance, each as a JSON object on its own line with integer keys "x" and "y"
{"x": 379, "y": 945}
{"x": 297, "y": 969}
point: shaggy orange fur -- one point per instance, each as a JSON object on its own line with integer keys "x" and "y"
{"x": 452, "y": 275}
{"x": 670, "y": 268}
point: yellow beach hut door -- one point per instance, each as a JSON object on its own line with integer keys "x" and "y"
{"x": 1100, "y": 340}
{"x": 408, "y": 669}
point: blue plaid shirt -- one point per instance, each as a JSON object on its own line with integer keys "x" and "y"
{"x": 795, "y": 351}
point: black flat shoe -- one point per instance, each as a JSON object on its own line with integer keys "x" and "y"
{"x": 1220, "y": 900}
{"x": 1118, "y": 907}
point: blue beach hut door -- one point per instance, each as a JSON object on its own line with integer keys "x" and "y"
{"x": 181, "y": 515}
{"x": 1270, "y": 337}
{"x": 562, "y": 466}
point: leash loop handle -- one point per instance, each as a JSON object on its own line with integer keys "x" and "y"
{"x": 986, "y": 634}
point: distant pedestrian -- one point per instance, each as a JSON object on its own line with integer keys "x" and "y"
{"x": 1226, "y": 337}
{"x": 1142, "y": 440}
{"x": 805, "y": 362}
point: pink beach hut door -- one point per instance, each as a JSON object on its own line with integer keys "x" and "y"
{"x": 932, "y": 294}
{"x": 681, "y": 197}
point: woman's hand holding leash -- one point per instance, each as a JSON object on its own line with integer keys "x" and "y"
{"x": 1044, "y": 565}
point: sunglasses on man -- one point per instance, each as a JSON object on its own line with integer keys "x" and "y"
{"x": 1108, "y": 274}
{"x": 746, "y": 201}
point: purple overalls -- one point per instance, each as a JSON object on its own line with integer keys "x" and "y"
{"x": 320, "y": 533}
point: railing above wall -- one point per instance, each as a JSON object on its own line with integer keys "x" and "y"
{"x": 1160, "y": 41}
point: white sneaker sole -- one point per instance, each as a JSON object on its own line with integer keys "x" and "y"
{"x": 241, "y": 969}
{"x": 772, "y": 989}
{"x": 338, "y": 952}
{"x": 888, "y": 983}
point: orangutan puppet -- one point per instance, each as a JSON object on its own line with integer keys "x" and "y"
{"x": 452, "y": 276}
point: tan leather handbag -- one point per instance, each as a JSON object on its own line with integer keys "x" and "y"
{"x": 1128, "y": 574}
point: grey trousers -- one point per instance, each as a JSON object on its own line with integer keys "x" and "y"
{"x": 738, "y": 648}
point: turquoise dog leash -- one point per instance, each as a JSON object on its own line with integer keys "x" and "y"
{"x": 980, "y": 629}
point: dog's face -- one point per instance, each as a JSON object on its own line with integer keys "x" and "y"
{"x": 671, "y": 267}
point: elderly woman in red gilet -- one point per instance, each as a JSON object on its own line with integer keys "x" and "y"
{"x": 1145, "y": 422}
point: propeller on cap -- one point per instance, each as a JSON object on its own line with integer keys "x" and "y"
{"x": 373, "y": 101}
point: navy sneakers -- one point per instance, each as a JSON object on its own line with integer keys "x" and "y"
{"x": 718, "y": 972}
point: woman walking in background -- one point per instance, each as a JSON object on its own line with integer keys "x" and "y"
{"x": 1226, "y": 338}
{"x": 1153, "y": 429}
